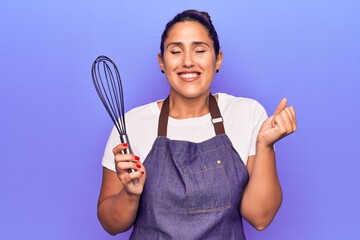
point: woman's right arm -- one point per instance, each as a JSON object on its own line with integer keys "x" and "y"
{"x": 119, "y": 196}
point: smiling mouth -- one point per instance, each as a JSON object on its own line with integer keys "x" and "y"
{"x": 189, "y": 76}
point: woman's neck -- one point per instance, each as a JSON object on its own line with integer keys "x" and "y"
{"x": 182, "y": 107}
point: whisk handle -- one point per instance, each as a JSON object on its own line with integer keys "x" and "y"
{"x": 124, "y": 139}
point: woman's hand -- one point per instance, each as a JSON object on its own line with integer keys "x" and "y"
{"x": 277, "y": 126}
{"x": 133, "y": 181}
{"x": 119, "y": 197}
{"x": 262, "y": 197}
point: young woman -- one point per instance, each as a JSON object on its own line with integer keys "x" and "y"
{"x": 203, "y": 161}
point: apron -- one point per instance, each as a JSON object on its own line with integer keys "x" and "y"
{"x": 192, "y": 190}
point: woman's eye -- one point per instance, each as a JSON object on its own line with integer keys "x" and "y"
{"x": 175, "y": 52}
{"x": 199, "y": 51}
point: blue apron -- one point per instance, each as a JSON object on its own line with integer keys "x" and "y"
{"x": 192, "y": 190}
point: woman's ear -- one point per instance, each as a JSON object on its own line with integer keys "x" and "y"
{"x": 219, "y": 61}
{"x": 161, "y": 63}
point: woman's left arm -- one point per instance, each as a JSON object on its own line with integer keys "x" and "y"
{"x": 262, "y": 197}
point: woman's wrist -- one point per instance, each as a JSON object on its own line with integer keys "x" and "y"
{"x": 263, "y": 146}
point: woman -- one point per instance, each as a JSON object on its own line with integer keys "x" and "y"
{"x": 209, "y": 163}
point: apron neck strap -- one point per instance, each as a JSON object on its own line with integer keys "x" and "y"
{"x": 216, "y": 117}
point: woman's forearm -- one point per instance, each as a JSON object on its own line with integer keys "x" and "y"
{"x": 117, "y": 213}
{"x": 262, "y": 197}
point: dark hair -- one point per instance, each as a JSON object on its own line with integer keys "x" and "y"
{"x": 192, "y": 16}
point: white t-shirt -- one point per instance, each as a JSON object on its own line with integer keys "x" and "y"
{"x": 242, "y": 117}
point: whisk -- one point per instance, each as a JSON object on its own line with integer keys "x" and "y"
{"x": 108, "y": 85}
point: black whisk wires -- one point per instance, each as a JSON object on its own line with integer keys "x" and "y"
{"x": 108, "y": 85}
{"x": 110, "y": 91}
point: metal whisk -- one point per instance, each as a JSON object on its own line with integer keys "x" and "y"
{"x": 108, "y": 85}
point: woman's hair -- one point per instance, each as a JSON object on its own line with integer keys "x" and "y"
{"x": 192, "y": 16}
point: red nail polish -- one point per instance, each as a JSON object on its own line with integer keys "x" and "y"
{"x": 142, "y": 172}
{"x": 137, "y": 158}
{"x": 138, "y": 165}
{"x": 124, "y": 144}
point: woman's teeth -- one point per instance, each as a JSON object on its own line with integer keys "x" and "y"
{"x": 188, "y": 75}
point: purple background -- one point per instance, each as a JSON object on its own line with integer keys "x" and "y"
{"x": 54, "y": 128}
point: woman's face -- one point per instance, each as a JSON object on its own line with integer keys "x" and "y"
{"x": 189, "y": 60}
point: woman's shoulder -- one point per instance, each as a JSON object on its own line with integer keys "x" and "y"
{"x": 146, "y": 110}
{"x": 227, "y": 101}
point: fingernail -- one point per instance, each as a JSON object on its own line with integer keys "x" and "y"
{"x": 142, "y": 172}
{"x": 138, "y": 165}
{"x": 124, "y": 144}
{"x": 137, "y": 158}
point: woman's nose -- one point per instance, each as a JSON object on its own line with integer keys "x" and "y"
{"x": 188, "y": 60}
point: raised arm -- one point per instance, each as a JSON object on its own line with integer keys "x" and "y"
{"x": 263, "y": 196}
{"x": 119, "y": 196}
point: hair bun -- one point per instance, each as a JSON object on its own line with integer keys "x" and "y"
{"x": 204, "y": 14}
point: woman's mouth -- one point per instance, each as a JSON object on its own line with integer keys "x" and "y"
{"x": 189, "y": 76}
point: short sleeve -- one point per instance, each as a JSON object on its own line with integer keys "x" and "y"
{"x": 108, "y": 157}
{"x": 260, "y": 116}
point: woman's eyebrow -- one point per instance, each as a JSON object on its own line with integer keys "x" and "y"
{"x": 175, "y": 43}
{"x": 200, "y": 43}
{"x": 181, "y": 44}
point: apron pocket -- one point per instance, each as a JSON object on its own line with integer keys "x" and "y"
{"x": 207, "y": 188}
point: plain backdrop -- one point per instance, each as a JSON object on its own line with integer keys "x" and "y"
{"x": 54, "y": 128}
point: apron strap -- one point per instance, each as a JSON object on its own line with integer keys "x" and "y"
{"x": 216, "y": 117}
{"x": 163, "y": 118}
